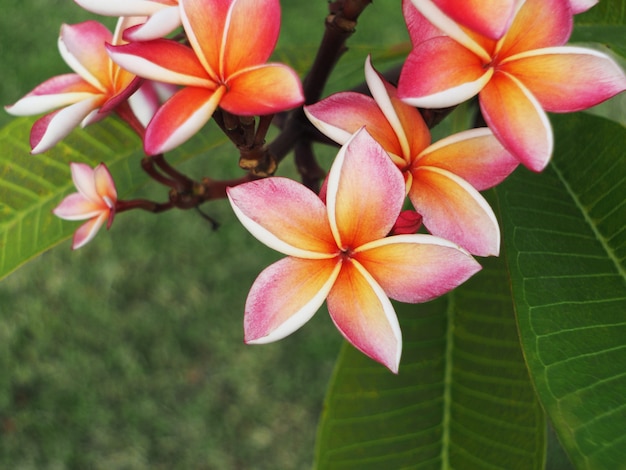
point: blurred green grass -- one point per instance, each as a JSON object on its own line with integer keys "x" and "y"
{"x": 128, "y": 353}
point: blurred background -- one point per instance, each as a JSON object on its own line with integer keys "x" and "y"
{"x": 128, "y": 353}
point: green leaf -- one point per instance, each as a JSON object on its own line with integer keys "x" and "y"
{"x": 32, "y": 185}
{"x": 565, "y": 243}
{"x": 462, "y": 398}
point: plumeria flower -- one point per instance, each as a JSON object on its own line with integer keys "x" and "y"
{"x": 230, "y": 42}
{"x": 88, "y": 95}
{"x": 339, "y": 252}
{"x": 163, "y": 16}
{"x": 147, "y": 100}
{"x": 95, "y": 201}
{"x": 517, "y": 78}
{"x": 441, "y": 179}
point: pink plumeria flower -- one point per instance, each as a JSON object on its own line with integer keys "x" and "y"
{"x": 88, "y": 95}
{"x": 95, "y": 201}
{"x": 163, "y": 16}
{"x": 225, "y": 66}
{"x": 339, "y": 252}
{"x": 517, "y": 78}
{"x": 441, "y": 179}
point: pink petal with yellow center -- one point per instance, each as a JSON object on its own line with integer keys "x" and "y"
{"x": 82, "y": 47}
{"x": 364, "y": 193}
{"x": 567, "y": 79}
{"x": 159, "y": 25}
{"x": 474, "y": 155}
{"x": 468, "y": 39}
{"x": 285, "y": 296}
{"x": 416, "y": 268}
{"x": 452, "y": 209}
{"x": 410, "y": 129}
{"x": 265, "y": 89}
{"x": 162, "y": 60}
{"x": 537, "y": 24}
{"x": 104, "y": 184}
{"x": 284, "y": 215}
{"x": 75, "y": 206}
{"x": 86, "y": 232}
{"x": 52, "y": 128}
{"x": 578, "y": 6}
{"x": 364, "y": 315}
{"x": 55, "y": 92}
{"x": 204, "y": 22}
{"x": 420, "y": 29}
{"x": 251, "y": 32}
{"x": 518, "y": 121}
{"x": 342, "y": 114}
{"x": 122, "y": 7}
{"x": 440, "y": 73}
{"x": 180, "y": 118}
{"x": 490, "y": 18}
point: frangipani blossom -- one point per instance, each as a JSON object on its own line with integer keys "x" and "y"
{"x": 517, "y": 78}
{"x": 225, "y": 66}
{"x": 441, "y": 179}
{"x": 86, "y": 96}
{"x": 95, "y": 200}
{"x": 163, "y": 16}
{"x": 339, "y": 251}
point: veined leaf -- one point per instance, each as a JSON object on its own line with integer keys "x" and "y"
{"x": 462, "y": 399}
{"x": 565, "y": 242}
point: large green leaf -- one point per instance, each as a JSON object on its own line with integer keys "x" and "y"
{"x": 462, "y": 399}
{"x": 565, "y": 242}
{"x": 32, "y": 185}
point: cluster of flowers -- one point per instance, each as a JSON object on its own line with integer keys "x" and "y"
{"x": 353, "y": 245}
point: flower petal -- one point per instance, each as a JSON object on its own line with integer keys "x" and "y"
{"x": 452, "y": 209}
{"x": 416, "y": 268}
{"x": 104, "y": 184}
{"x": 364, "y": 193}
{"x": 55, "y": 92}
{"x": 410, "y": 129}
{"x": 82, "y": 47}
{"x": 474, "y": 155}
{"x": 420, "y": 29}
{"x": 440, "y": 73}
{"x": 490, "y": 18}
{"x": 86, "y": 232}
{"x": 578, "y": 6}
{"x": 75, "y": 206}
{"x": 251, "y": 32}
{"x": 122, "y": 7}
{"x": 342, "y": 114}
{"x": 83, "y": 177}
{"x": 284, "y": 215}
{"x": 159, "y": 25}
{"x": 265, "y": 89}
{"x": 567, "y": 79}
{"x": 364, "y": 315}
{"x": 285, "y": 296}
{"x": 162, "y": 60}
{"x": 451, "y": 28}
{"x": 52, "y": 128}
{"x": 537, "y": 24}
{"x": 518, "y": 121}
{"x": 180, "y": 118}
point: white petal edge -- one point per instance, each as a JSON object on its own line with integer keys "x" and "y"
{"x": 63, "y": 123}
{"x": 451, "y": 96}
{"x": 147, "y": 69}
{"x": 303, "y": 315}
{"x": 449, "y": 26}
{"x": 337, "y": 134}
{"x": 272, "y": 241}
{"x": 77, "y": 67}
{"x": 379, "y": 93}
{"x": 121, "y": 7}
{"x": 38, "y": 104}
{"x": 159, "y": 25}
{"x": 456, "y": 138}
{"x": 388, "y": 310}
